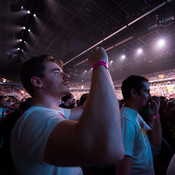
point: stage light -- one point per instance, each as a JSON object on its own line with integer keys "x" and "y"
{"x": 111, "y": 61}
{"x": 123, "y": 57}
{"x": 18, "y": 48}
{"x": 29, "y": 30}
{"x": 28, "y": 12}
{"x": 34, "y": 15}
{"x": 85, "y": 71}
{"x": 161, "y": 43}
{"x": 4, "y": 80}
{"x": 24, "y": 27}
{"x": 139, "y": 51}
{"x": 20, "y": 39}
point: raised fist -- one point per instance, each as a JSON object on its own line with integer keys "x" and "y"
{"x": 98, "y": 54}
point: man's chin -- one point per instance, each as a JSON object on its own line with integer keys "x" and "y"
{"x": 146, "y": 106}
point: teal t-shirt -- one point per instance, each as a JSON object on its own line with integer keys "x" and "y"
{"x": 136, "y": 142}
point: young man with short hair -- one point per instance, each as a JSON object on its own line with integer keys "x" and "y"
{"x": 49, "y": 140}
{"x": 138, "y": 156}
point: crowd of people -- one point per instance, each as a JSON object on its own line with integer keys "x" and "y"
{"x": 161, "y": 83}
{"x": 51, "y": 133}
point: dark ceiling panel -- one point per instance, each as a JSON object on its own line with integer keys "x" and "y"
{"x": 66, "y": 28}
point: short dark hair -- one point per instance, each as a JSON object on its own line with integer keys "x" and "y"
{"x": 83, "y": 99}
{"x": 66, "y": 97}
{"x": 35, "y": 67}
{"x": 133, "y": 81}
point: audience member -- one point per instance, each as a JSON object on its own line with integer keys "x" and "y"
{"x": 67, "y": 101}
{"x": 6, "y": 163}
{"x": 138, "y": 156}
{"x": 49, "y": 140}
{"x": 83, "y": 98}
{"x": 3, "y": 100}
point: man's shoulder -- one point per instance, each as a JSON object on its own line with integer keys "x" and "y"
{"x": 128, "y": 113}
{"x": 128, "y": 116}
{"x": 39, "y": 109}
{"x": 37, "y": 117}
{"x": 36, "y": 113}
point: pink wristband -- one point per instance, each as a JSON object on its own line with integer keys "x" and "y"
{"x": 103, "y": 63}
{"x": 156, "y": 116}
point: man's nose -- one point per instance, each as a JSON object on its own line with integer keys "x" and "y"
{"x": 66, "y": 76}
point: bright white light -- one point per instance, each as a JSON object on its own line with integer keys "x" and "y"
{"x": 139, "y": 51}
{"x": 34, "y": 15}
{"x": 161, "y": 43}
{"x": 123, "y": 57}
{"x": 28, "y": 12}
{"x": 24, "y": 27}
{"x": 20, "y": 39}
{"x": 82, "y": 87}
{"x": 4, "y": 80}
{"x": 29, "y": 30}
{"x": 22, "y": 7}
{"x": 18, "y": 48}
{"x": 111, "y": 61}
{"x": 85, "y": 71}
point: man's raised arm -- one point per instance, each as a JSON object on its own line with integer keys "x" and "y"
{"x": 96, "y": 138}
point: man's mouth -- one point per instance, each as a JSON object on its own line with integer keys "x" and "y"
{"x": 67, "y": 84}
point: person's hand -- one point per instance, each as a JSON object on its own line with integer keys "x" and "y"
{"x": 98, "y": 54}
{"x": 155, "y": 105}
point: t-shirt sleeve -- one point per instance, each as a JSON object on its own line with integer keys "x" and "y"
{"x": 128, "y": 135}
{"x": 140, "y": 119}
{"x": 35, "y": 132}
{"x": 65, "y": 112}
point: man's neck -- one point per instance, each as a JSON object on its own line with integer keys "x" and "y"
{"x": 51, "y": 103}
{"x": 132, "y": 105}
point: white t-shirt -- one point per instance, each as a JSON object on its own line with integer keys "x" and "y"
{"x": 28, "y": 141}
{"x": 136, "y": 143}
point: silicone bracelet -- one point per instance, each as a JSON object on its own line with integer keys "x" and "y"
{"x": 103, "y": 63}
{"x": 156, "y": 116}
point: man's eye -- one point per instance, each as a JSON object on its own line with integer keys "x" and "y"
{"x": 56, "y": 72}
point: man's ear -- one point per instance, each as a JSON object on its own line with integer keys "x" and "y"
{"x": 133, "y": 92}
{"x": 36, "y": 82}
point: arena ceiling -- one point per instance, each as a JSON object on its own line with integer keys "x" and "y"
{"x": 69, "y": 29}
